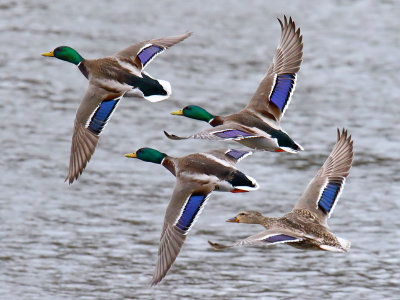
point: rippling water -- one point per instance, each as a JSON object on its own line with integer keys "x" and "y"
{"x": 98, "y": 238}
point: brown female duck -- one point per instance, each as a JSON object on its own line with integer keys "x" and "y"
{"x": 305, "y": 227}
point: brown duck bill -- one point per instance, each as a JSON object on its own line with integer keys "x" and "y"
{"x": 233, "y": 220}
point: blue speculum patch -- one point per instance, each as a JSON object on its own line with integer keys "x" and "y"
{"x": 283, "y": 86}
{"x": 147, "y": 53}
{"x": 329, "y": 196}
{"x": 279, "y": 238}
{"x": 101, "y": 116}
{"x": 190, "y": 211}
{"x": 231, "y": 134}
{"x": 236, "y": 154}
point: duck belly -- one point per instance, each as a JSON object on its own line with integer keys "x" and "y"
{"x": 307, "y": 244}
{"x": 340, "y": 245}
{"x": 266, "y": 144}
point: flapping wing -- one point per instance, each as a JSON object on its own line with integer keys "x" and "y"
{"x": 91, "y": 117}
{"x": 222, "y": 132}
{"x": 275, "y": 91}
{"x": 237, "y": 155}
{"x": 142, "y": 53}
{"x": 187, "y": 202}
{"x": 323, "y": 191}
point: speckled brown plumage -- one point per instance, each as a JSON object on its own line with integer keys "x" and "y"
{"x": 305, "y": 227}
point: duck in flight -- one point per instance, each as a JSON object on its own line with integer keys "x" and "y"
{"x": 109, "y": 79}
{"x": 197, "y": 176}
{"x": 306, "y": 227}
{"x": 258, "y": 125}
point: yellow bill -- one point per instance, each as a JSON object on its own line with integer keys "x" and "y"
{"x": 177, "y": 112}
{"x": 131, "y": 155}
{"x": 51, "y": 54}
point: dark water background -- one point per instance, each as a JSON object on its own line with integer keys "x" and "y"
{"x": 98, "y": 238}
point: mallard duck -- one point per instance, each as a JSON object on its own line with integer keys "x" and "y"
{"x": 258, "y": 125}
{"x": 305, "y": 227}
{"x": 197, "y": 175}
{"x": 109, "y": 79}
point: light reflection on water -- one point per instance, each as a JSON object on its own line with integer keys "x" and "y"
{"x": 98, "y": 238}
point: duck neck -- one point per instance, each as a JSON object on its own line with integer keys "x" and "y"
{"x": 82, "y": 67}
{"x": 267, "y": 222}
{"x": 169, "y": 165}
{"x": 76, "y": 59}
{"x": 215, "y": 121}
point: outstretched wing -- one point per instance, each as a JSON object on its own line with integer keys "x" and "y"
{"x": 267, "y": 237}
{"x": 187, "y": 202}
{"x": 142, "y": 53}
{"x": 275, "y": 91}
{"x": 92, "y": 116}
{"x": 323, "y": 191}
{"x": 229, "y": 131}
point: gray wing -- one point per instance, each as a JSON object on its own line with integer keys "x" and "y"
{"x": 323, "y": 191}
{"x": 92, "y": 115}
{"x": 142, "y": 53}
{"x": 228, "y": 131}
{"x": 274, "y": 93}
{"x": 187, "y": 202}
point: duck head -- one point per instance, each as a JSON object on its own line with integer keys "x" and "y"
{"x": 249, "y": 217}
{"x": 194, "y": 112}
{"x": 65, "y": 53}
{"x": 148, "y": 154}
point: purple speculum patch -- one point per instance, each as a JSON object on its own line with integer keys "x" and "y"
{"x": 231, "y": 134}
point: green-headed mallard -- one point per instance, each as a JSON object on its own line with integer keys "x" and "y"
{"x": 197, "y": 175}
{"x": 258, "y": 125}
{"x": 305, "y": 227}
{"x": 109, "y": 79}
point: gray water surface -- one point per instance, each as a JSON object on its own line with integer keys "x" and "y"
{"x": 98, "y": 238}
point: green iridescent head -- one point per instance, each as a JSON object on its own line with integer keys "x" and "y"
{"x": 65, "y": 53}
{"x": 194, "y": 112}
{"x": 148, "y": 154}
